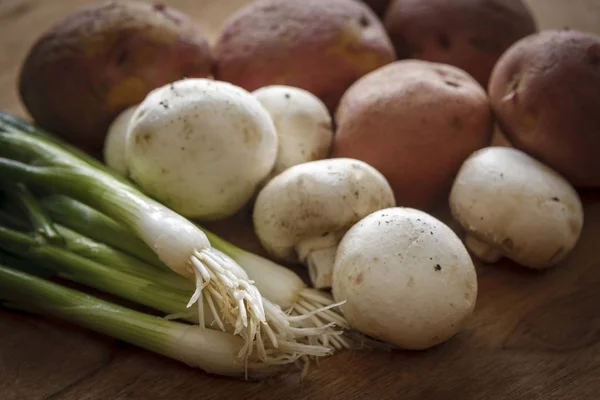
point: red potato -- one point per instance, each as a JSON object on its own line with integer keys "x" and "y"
{"x": 545, "y": 93}
{"x": 378, "y": 6}
{"x": 469, "y": 34}
{"x": 100, "y": 60}
{"x": 416, "y": 122}
{"x": 319, "y": 46}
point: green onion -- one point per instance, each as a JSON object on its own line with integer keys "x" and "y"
{"x": 136, "y": 282}
{"x": 278, "y": 284}
{"x": 135, "y": 285}
{"x": 210, "y": 350}
{"x": 17, "y": 124}
{"x": 87, "y": 249}
{"x": 24, "y": 265}
{"x": 95, "y": 225}
{"x": 39, "y": 161}
{"x": 38, "y": 218}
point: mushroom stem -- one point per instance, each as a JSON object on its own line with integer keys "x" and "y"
{"x": 318, "y": 254}
{"x": 320, "y": 267}
{"x": 482, "y": 250}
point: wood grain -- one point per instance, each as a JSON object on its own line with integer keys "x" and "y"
{"x": 533, "y": 336}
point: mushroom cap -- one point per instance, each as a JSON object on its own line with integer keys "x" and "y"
{"x": 201, "y": 147}
{"x": 315, "y": 199}
{"x": 302, "y": 122}
{"x": 523, "y": 208}
{"x": 116, "y": 139}
{"x": 406, "y": 278}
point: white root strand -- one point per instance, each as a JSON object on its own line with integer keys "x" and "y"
{"x": 325, "y": 338}
{"x": 215, "y": 314}
{"x": 331, "y": 316}
{"x": 307, "y": 333}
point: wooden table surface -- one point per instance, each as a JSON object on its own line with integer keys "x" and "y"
{"x": 533, "y": 335}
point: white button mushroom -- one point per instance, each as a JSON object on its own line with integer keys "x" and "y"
{"x": 201, "y": 147}
{"x": 116, "y": 138}
{"x": 303, "y": 124}
{"x": 406, "y": 278}
{"x": 302, "y": 213}
{"x": 514, "y": 206}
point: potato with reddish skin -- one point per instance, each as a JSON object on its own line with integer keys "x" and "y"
{"x": 416, "y": 122}
{"x": 545, "y": 94}
{"x": 100, "y": 60}
{"x": 319, "y": 46}
{"x": 469, "y": 34}
{"x": 378, "y": 6}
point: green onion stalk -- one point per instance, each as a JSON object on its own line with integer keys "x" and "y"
{"x": 41, "y": 222}
{"x": 43, "y": 163}
{"x": 95, "y": 225}
{"x": 211, "y": 350}
{"x": 95, "y": 265}
{"x": 278, "y": 284}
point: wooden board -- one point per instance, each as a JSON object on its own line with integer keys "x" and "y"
{"x": 533, "y": 336}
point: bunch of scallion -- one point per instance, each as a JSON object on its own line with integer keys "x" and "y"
{"x": 64, "y": 213}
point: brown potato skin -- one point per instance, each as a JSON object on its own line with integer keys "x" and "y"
{"x": 416, "y": 122}
{"x": 469, "y": 34}
{"x": 100, "y": 60}
{"x": 320, "y": 46}
{"x": 379, "y": 7}
{"x": 545, "y": 93}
